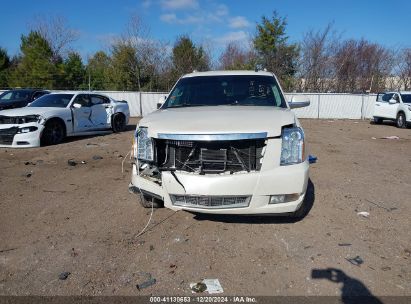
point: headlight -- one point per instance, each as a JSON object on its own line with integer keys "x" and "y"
{"x": 292, "y": 149}
{"x": 144, "y": 144}
{"x": 31, "y": 118}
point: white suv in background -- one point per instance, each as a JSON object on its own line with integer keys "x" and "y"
{"x": 394, "y": 106}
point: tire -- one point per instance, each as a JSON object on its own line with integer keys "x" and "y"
{"x": 307, "y": 203}
{"x": 53, "y": 133}
{"x": 118, "y": 122}
{"x": 377, "y": 120}
{"x": 148, "y": 201}
{"x": 401, "y": 121}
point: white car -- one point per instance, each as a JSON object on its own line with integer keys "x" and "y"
{"x": 223, "y": 142}
{"x": 394, "y": 106}
{"x": 49, "y": 119}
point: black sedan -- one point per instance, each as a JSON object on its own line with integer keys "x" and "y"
{"x": 19, "y": 98}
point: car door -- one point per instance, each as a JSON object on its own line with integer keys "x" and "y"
{"x": 81, "y": 110}
{"x": 101, "y": 111}
{"x": 382, "y": 106}
{"x": 392, "y": 108}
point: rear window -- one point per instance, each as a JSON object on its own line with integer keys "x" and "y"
{"x": 406, "y": 98}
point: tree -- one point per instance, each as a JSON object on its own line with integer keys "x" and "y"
{"x": 123, "y": 62}
{"x": 74, "y": 72}
{"x": 273, "y": 49}
{"x": 316, "y": 60}
{"x": 4, "y": 66}
{"x": 361, "y": 66}
{"x": 187, "y": 57}
{"x": 98, "y": 71}
{"x": 58, "y": 34}
{"x": 36, "y": 67}
{"x": 404, "y": 70}
{"x": 236, "y": 58}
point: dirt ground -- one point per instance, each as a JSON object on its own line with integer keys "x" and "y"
{"x": 81, "y": 219}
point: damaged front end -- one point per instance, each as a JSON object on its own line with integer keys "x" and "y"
{"x": 20, "y": 131}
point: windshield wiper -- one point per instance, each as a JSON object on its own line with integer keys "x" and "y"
{"x": 187, "y": 105}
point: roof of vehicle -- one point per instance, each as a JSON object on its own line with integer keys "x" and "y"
{"x": 221, "y": 73}
{"x": 78, "y": 92}
{"x": 401, "y": 92}
{"x": 25, "y": 90}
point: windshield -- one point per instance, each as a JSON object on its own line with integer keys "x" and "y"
{"x": 406, "y": 98}
{"x": 14, "y": 95}
{"x": 53, "y": 101}
{"x": 243, "y": 90}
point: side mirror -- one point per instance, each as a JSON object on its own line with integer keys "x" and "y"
{"x": 76, "y": 105}
{"x": 299, "y": 102}
{"x": 161, "y": 101}
{"x": 392, "y": 101}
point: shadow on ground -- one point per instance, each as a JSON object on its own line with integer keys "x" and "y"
{"x": 263, "y": 219}
{"x": 352, "y": 290}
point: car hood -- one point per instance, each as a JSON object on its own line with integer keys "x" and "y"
{"x": 218, "y": 120}
{"x": 30, "y": 111}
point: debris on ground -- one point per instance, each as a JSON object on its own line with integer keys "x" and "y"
{"x": 97, "y": 157}
{"x": 344, "y": 244}
{"x": 390, "y": 137}
{"x": 363, "y": 214}
{"x": 312, "y": 159}
{"x": 71, "y": 162}
{"x": 198, "y": 287}
{"x": 373, "y": 137}
{"x": 357, "y": 261}
{"x": 212, "y": 286}
{"x": 83, "y": 162}
{"x": 29, "y": 174}
{"x": 148, "y": 282}
{"x": 64, "y": 275}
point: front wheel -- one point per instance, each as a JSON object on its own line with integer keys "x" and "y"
{"x": 53, "y": 133}
{"x": 377, "y": 120}
{"x": 401, "y": 122}
{"x": 118, "y": 122}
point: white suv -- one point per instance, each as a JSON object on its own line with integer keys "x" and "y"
{"x": 223, "y": 142}
{"x": 394, "y": 106}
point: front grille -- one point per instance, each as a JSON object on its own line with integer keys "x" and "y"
{"x": 209, "y": 157}
{"x": 7, "y": 135}
{"x": 211, "y": 201}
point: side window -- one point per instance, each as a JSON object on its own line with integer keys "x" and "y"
{"x": 7, "y": 96}
{"x": 386, "y": 97}
{"x": 98, "y": 99}
{"x": 396, "y": 97}
{"x": 38, "y": 94}
{"x": 82, "y": 99}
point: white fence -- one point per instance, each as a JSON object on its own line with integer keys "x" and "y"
{"x": 323, "y": 105}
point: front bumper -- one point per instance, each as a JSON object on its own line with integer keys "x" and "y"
{"x": 20, "y": 140}
{"x": 260, "y": 186}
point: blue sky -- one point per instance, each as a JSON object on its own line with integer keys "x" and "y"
{"x": 214, "y": 22}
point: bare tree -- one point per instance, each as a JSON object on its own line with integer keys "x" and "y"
{"x": 361, "y": 66}
{"x": 57, "y": 32}
{"x": 234, "y": 57}
{"x": 316, "y": 58}
{"x": 404, "y": 69}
